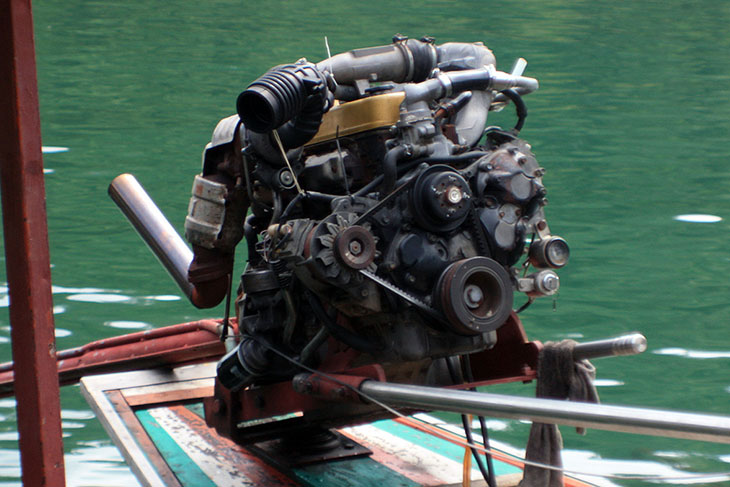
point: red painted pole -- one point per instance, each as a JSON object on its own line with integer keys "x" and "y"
{"x": 26, "y": 252}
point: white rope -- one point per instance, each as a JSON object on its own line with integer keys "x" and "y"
{"x": 286, "y": 159}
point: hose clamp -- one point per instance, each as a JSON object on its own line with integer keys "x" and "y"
{"x": 446, "y": 83}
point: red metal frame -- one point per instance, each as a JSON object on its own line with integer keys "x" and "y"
{"x": 175, "y": 345}
{"x": 265, "y": 411}
{"x": 26, "y": 251}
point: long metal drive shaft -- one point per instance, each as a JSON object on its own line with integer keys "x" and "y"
{"x": 645, "y": 421}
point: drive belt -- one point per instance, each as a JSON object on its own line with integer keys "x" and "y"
{"x": 405, "y": 295}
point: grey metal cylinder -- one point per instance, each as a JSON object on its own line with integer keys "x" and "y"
{"x": 153, "y": 227}
{"x": 624, "y": 345}
{"x": 655, "y": 422}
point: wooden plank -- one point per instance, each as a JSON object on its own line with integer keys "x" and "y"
{"x": 141, "y": 398}
{"x": 391, "y": 453}
{"x": 357, "y": 472}
{"x": 218, "y": 459}
{"x": 189, "y": 473}
{"x": 94, "y": 390}
{"x": 197, "y": 456}
{"x": 455, "y": 434}
{"x": 143, "y": 440}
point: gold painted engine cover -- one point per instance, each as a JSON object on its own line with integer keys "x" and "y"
{"x": 359, "y": 116}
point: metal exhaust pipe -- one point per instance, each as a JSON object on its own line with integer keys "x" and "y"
{"x": 153, "y": 227}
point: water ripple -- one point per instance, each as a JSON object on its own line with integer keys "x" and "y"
{"x": 50, "y": 149}
{"x": 696, "y": 354}
{"x": 698, "y": 218}
{"x": 128, "y": 325}
{"x": 100, "y": 298}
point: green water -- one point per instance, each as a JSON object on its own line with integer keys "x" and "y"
{"x": 632, "y": 122}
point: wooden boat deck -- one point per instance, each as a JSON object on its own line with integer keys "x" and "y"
{"x": 155, "y": 417}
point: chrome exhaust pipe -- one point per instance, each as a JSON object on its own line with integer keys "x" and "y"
{"x": 153, "y": 227}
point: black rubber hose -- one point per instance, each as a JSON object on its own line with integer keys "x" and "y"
{"x": 305, "y": 124}
{"x": 519, "y": 106}
{"x": 424, "y": 59}
{"x": 249, "y": 233}
{"x": 390, "y": 167}
{"x": 292, "y": 204}
{"x": 342, "y": 334}
{"x": 309, "y": 195}
{"x": 293, "y": 96}
{"x": 466, "y": 156}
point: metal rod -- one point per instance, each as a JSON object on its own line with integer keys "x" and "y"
{"x": 153, "y": 227}
{"x": 26, "y": 252}
{"x": 624, "y": 345}
{"x": 655, "y": 422}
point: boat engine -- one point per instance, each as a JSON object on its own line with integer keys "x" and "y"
{"x": 383, "y": 223}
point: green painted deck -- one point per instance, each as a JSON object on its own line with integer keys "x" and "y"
{"x": 155, "y": 418}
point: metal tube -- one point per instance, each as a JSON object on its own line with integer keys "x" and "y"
{"x": 624, "y": 345}
{"x": 154, "y": 228}
{"x": 655, "y": 422}
{"x": 27, "y": 257}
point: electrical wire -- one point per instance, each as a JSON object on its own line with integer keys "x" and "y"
{"x": 227, "y": 311}
{"x": 486, "y": 474}
{"x": 342, "y": 162}
{"x": 438, "y": 432}
{"x": 466, "y": 367}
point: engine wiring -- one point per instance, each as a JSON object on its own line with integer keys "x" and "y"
{"x": 487, "y": 472}
{"x": 500, "y": 455}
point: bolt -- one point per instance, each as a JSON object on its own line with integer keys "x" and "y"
{"x": 355, "y": 247}
{"x": 473, "y": 296}
{"x": 364, "y": 293}
{"x": 410, "y": 278}
{"x": 286, "y": 178}
{"x": 550, "y": 282}
{"x": 454, "y": 195}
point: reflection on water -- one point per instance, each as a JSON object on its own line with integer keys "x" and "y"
{"x": 699, "y": 354}
{"x": 631, "y": 123}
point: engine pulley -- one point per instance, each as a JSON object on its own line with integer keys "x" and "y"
{"x": 475, "y": 294}
{"x": 441, "y": 199}
{"x": 340, "y": 249}
{"x": 355, "y": 247}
